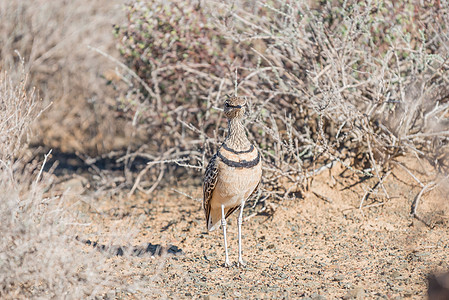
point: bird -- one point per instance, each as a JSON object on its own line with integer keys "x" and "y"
{"x": 233, "y": 174}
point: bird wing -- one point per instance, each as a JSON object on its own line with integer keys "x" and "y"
{"x": 209, "y": 182}
{"x": 231, "y": 210}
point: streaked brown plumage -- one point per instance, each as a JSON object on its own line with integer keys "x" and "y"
{"x": 233, "y": 173}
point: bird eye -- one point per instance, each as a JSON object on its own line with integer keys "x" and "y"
{"x": 227, "y": 104}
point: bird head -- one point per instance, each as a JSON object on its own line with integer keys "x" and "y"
{"x": 235, "y": 107}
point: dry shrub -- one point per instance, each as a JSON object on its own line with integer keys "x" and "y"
{"x": 18, "y": 109}
{"x": 52, "y": 37}
{"x": 39, "y": 255}
{"x": 373, "y": 75}
{"x": 356, "y": 82}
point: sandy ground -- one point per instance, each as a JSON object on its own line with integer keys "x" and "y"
{"x": 317, "y": 246}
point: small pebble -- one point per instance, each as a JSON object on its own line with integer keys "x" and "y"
{"x": 316, "y": 296}
{"x": 339, "y": 278}
{"x": 356, "y": 293}
{"x": 210, "y": 297}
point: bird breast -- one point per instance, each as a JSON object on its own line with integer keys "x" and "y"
{"x": 239, "y": 175}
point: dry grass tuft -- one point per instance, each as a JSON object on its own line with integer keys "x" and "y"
{"x": 39, "y": 255}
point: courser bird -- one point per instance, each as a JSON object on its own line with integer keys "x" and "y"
{"x": 232, "y": 175}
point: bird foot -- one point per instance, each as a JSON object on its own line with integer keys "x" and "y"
{"x": 227, "y": 264}
{"x": 241, "y": 263}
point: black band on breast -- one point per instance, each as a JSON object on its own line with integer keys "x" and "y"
{"x": 237, "y": 152}
{"x": 242, "y": 163}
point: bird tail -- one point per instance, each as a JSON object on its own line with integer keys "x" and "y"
{"x": 213, "y": 222}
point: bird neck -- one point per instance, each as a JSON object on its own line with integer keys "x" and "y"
{"x": 237, "y": 139}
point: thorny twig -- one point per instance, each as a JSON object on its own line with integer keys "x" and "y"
{"x": 187, "y": 195}
{"x": 427, "y": 188}
{"x": 145, "y": 170}
{"x": 368, "y": 192}
{"x": 42, "y": 167}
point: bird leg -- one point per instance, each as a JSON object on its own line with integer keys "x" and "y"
{"x": 223, "y": 224}
{"x": 241, "y": 263}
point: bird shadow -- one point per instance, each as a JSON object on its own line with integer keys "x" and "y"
{"x": 148, "y": 249}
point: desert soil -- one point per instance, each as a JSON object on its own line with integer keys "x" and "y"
{"x": 316, "y": 246}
